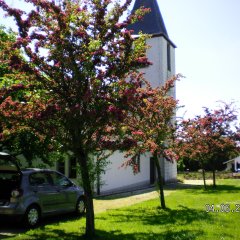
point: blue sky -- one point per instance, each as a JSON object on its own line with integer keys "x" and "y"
{"x": 207, "y": 35}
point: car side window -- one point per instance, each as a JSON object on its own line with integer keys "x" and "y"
{"x": 60, "y": 180}
{"x": 37, "y": 179}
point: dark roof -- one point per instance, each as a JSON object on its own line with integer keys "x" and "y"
{"x": 152, "y": 23}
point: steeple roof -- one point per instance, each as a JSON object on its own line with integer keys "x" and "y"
{"x": 152, "y": 23}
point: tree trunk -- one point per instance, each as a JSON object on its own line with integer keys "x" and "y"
{"x": 204, "y": 178}
{"x": 159, "y": 181}
{"x": 86, "y": 181}
{"x": 214, "y": 178}
{"x": 203, "y": 174}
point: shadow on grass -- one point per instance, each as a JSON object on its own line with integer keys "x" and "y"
{"x": 171, "y": 225}
{"x": 118, "y": 235}
{"x": 183, "y": 215}
{"x": 165, "y": 219}
{"x": 221, "y": 188}
{"x": 52, "y": 234}
{"x": 213, "y": 190}
{"x": 224, "y": 188}
{"x": 11, "y": 227}
{"x": 165, "y": 235}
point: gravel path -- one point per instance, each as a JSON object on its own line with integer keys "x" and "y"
{"x": 197, "y": 182}
{"x": 104, "y": 204}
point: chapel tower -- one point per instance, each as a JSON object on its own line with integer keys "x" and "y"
{"x": 162, "y": 55}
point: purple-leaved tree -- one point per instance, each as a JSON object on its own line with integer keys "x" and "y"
{"x": 81, "y": 59}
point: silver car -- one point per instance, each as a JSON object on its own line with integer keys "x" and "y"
{"x": 34, "y": 193}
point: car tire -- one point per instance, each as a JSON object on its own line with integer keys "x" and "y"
{"x": 32, "y": 216}
{"x": 80, "y": 207}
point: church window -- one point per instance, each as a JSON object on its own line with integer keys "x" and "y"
{"x": 136, "y": 163}
{"x": 168, "y": 57}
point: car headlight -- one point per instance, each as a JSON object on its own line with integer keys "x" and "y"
{"x": 16, "y": 193}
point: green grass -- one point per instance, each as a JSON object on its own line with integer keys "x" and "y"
{"x": 185, "y": 218}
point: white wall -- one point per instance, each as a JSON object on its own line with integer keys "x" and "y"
{"x": 170, "y": 171}
{"x": 157, "y": 73}
{"x": 117, "y": 177}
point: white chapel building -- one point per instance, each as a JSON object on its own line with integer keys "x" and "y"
{"x": 162, "y": 55}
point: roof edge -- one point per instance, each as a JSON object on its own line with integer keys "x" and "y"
{"x": 166, "y": 37}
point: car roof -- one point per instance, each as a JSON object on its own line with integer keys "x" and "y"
{"x": 35, "y": 170}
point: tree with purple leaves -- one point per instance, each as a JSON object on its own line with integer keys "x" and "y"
{"x": 151, "y": 123}
{"x": 210, "y": 138}
{"x": 83, "y": 62}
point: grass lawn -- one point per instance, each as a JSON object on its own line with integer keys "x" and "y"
{"x": 186, "y": 218}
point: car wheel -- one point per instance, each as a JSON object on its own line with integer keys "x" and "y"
{"x": 80, "y": 208}
{"x": 32, "y": 216}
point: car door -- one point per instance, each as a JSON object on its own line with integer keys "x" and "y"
{"x": 46, "y": 193}
{"x": 66, "y": 191}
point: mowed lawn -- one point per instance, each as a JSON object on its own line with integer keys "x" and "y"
{"x": 185, "y": 218}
